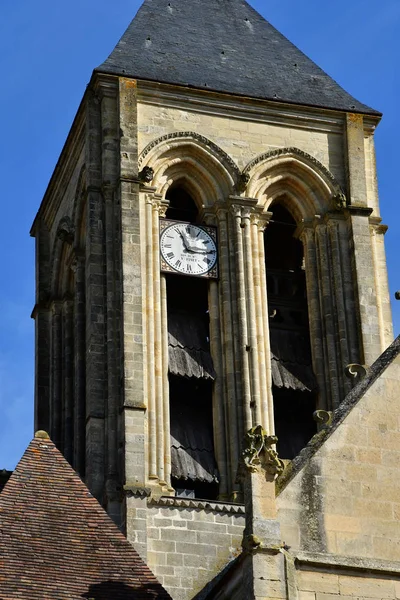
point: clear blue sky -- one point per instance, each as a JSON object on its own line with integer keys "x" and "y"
{"x": 48, "y": 49}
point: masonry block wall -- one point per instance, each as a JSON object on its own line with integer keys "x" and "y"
{"x": 189, "y": 546}
{"x": 345, "y": 501}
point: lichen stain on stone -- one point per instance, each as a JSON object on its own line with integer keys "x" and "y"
{"x": 129, "y": 83}
{"x": 355, "y": 118}
{"x": 312, "y": 529}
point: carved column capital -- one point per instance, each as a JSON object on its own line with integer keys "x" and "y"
{"x": 160, "y": 205}
{"x": 261, "y": 219}
{"x": 236, "y": 211}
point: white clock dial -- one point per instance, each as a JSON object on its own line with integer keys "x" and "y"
{"x": 188, "y": 249}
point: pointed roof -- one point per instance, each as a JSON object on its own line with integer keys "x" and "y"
{"x": 56, "y": 541}
{"x": 225, "y": 46}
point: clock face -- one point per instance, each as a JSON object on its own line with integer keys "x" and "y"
{"x": 188, "y": 249}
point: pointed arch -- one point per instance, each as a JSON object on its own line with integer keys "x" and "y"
{"x": 206, "y": 171}
{"x": 301, "y": 182}
{"x": 61, "y": 258}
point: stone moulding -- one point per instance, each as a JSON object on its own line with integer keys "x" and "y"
{"x": 348, "y": 563}
{"x": 202, "y": 140}
{"x": 219, "y": 507}
{"x": 292, "y": 151}
{"x": 338, "y": 196}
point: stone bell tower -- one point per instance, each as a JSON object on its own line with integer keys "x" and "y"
{"x": 206, "y": 120}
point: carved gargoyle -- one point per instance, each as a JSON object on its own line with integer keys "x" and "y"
{"x": 340, "y": 201}
{"x": 258, "y": 452}
{"x": 242, "y": 182}
{"x": 66, "y": 231}
{"x": 146, "y": 175}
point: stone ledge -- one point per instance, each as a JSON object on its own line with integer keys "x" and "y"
{"x": 225, "y": 507}
{"x": 333, "y": 561}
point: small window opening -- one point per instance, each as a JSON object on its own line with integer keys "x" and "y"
{"x": 294, "y": 384}
{"x": 181, "y": 206}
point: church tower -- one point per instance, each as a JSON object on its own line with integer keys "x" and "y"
{"x": 209, "y": 257}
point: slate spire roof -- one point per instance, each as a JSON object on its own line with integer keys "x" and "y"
{"x": 56, "y": 541}
{"x": 225, "y": 46}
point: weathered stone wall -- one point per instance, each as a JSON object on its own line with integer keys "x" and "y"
{"x": 345, "y": 500}
{"x": 188, "y": 546}
{"x": 320, "y": 585}
{"x": 244, "y": 133}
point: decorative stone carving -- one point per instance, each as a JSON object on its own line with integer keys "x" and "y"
{"x": 355, "y": 371}
{"x": 146, "y": 175}
{"x": 66, "y": 230}
{"x": 242, "y": 182}
{"x": 397, "y": 295}
{"x": 323, "y": 417}
{"x": 258, "y": 452}
{"x": 340, "y": 200}
{"x": 137, "y": 491}
{"x": 223, "y": 156}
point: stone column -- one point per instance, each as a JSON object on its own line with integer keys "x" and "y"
{"x": 42, "y": 315}
{"x": 378, "y": 231}
{"x": 160, "y": 381}
{"x": 157, "y": 349}
{"x": 68, "y": 380}
{"x": 164, "y": 340}
{"x": 244, "y": 346}
{"x": 315, "y": 312}
{"x": 231, "y": 413}
{"x": 358, "y": 213}
{"x": 260, "y": 222}
{"x": 151, "y": 392}
{"x": 112, "y": 218}
{"x": 56, "y": 373}
{"x": 79, "y": 366}
{"x": 364, "y": 276}
{"x": 252, "y": 279}
{"x": 220, "y": 414}
{"x": 96, "y": 363}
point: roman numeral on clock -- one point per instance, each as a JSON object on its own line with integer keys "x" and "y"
{"x": 189, "y": 268}
{"x": 170, "y": 255}
{"x": 178, "y": 263}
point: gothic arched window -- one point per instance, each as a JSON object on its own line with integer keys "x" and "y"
{"x": 294, "y": 385}
{"x": 191, "y": 373}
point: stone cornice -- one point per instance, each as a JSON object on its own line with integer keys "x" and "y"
{"x": 334, "y": 561}
{"x": 176, "y": 502}
{"x": 250, "y": 109}
{"x": 359, "y": 210}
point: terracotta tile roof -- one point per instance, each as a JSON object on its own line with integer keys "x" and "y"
{"x": 57, "y": 542}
